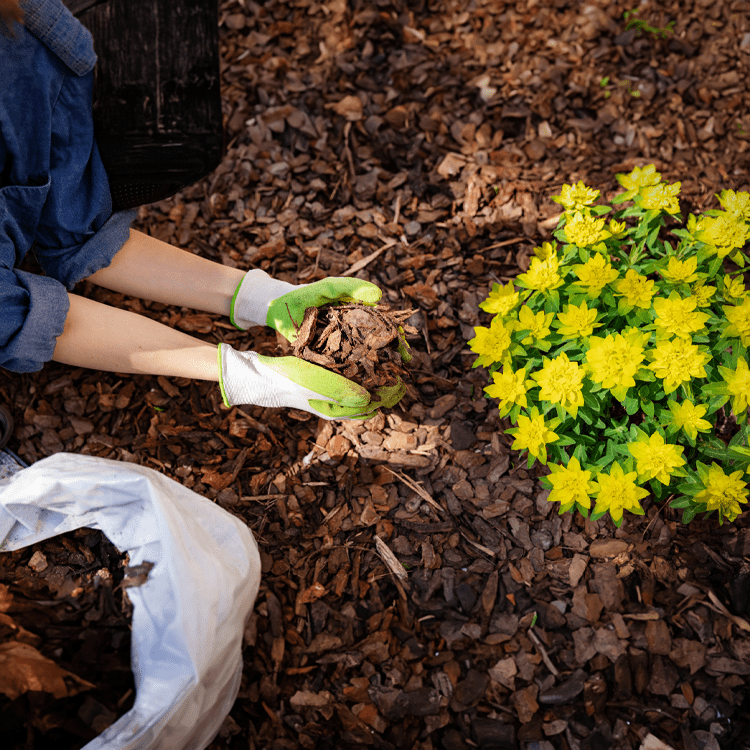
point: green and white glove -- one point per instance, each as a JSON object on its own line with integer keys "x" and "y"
{"x": 264, "y": 301}
{"x": 251, "y": 378}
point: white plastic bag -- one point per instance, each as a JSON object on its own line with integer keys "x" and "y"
{"x": 188, "y": 618}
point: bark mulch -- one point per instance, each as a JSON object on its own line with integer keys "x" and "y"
{"x": 419, "y": 591}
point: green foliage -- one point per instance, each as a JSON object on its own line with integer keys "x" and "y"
{"x": 624, "y": 345}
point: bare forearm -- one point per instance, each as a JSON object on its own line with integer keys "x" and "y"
{"x": 154, "y": 270}
{"x": 107, "y": 338}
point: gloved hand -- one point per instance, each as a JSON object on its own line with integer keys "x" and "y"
{"x": 261, "y": 300}
{"x": 251, "y": 378}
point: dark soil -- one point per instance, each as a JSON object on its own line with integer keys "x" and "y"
{"x": 417, "y": 146}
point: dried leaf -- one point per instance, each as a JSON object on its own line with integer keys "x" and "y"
{"x": 23, "y": 668}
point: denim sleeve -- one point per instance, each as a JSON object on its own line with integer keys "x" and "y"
{"x": 34, "y": 312}
{"x": 71, "y": 264}
{"x": 77, "y": 234}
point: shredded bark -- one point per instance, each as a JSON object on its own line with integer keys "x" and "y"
{"x": 361, "y": 342}
{"x": 417, "y": 145}
{"x": 64, "y": 639}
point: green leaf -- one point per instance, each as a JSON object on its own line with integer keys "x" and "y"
{"x": 743, "y": 436}
{"x": 605, "y": 460}
{"x": 557, "y": 454}
{"x": 599, "y": 514}
{"x": 564, "y": 440}
{"x": 689, "y": 514}
{"x": 689, "y": 488}
{"x": 648, "y": 407}
{"x": 553, "y": 301}
{"x": 623, "y": 308}
{"x": 681, "y": 502}
{"x": 631, "y": 405}
{"x": 657, "y": 488}
{"x": 718, "y": 453}
{"x": 592, "y": 401}
{"x": 715, "y": 266}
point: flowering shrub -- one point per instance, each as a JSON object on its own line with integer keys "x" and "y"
{"x": 620, "y": 356}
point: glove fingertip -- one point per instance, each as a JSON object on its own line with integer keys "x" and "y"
{"x": 356, "y": 399}
{"x": 369, "y": 294}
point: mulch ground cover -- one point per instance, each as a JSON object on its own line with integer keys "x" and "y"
{"x": 64, "y": 641}
{"x": 366, "y": 344}
{"x": 419, "y": 591}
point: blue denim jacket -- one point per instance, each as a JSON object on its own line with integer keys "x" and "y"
{"x": 54, "y": 192}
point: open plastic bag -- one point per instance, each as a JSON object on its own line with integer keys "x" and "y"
{"x": 188, "y": 618}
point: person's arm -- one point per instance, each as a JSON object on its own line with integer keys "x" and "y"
{"x": 154, "y": 270}
{"x": 107, "y": 338}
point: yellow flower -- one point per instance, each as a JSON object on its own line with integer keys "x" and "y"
{"x": 738, "y": 385}
{"x": 687, "y": 417}
{"x": 576, "y": 197}
{"x": 502, "y": 299}
{"x": 577, "y": 322}
{"x": 723, "y": 493}
{"x": 536, "y": 324}
{"x": 542, "y": 275}
{"x": 639, "y": 178}
{"x": 737, "y": 204}
{"x": 510, "y": 387}
{"x": 733, "y": 287}
{"x": 703, "y": 294}
{"x": 570, "y": 485}
{"x": 584, "y": 231}
{"x": 681, "y": 271}
{"x": 678, "y": 361}
{"x": 533, "y": 434}
{"x": 637, "y": 289}
{"x": 655, "y": 459}
{"x": 490, "y": 343}
{"x": 723, "y": 233}
{"x": 739, "y": 321}
{"x": 595, "y": 274}
{"x": 677, "y": 317}
{"x": 546, "y": 251}
{"x": 613, "y": 362}
{"x": 660, "y": 197}
{"x": 618, "y": 229}
{"x": 560, "y": 382}
{"x": 618, "y": 492}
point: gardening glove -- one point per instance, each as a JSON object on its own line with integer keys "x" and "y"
{"x": 251, "y": 378}
{"x": 261, "y": 300}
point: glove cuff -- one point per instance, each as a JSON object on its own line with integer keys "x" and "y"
{"x": 253, "y": 296}
{"x": 235, "y": 389}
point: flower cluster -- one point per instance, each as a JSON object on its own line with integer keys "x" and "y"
{"x": 620, "y": 350}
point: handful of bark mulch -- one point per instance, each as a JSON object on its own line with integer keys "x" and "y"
{"x": 65, "y": 619}
{"x": 363, "y": 343}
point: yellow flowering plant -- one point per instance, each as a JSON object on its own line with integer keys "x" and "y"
{"x": 620, "y": 356}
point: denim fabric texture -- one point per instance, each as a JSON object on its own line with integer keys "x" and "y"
{"x": 54, "y": 192}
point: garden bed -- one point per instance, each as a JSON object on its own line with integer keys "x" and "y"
{"x": 420, "y": 147}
